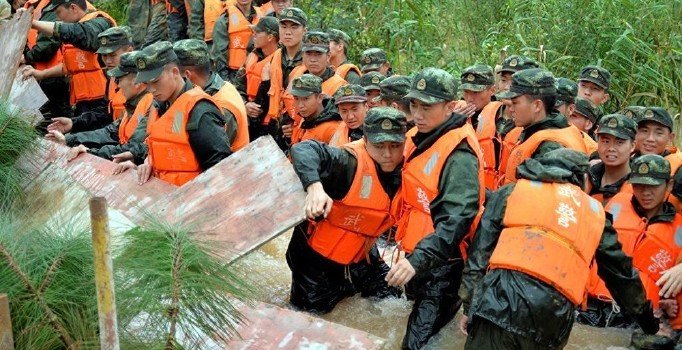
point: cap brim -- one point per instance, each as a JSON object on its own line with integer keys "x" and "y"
{"x": 368, "y": 67}
{"x": 595, "y": 81}
{"x": 385, "y": 137}
{"x": 645, "y": 180}
{"x": 291, "y": 20}
{"x": 508, "y": 95}
{"x": 424, "y": 98}
{"x": 148, "y": 75}
{"x": 615, "y": 132}
{"x": 371, "y": 87}
{"x": 350, "y": 99}
{"x": 105, "y": 50}
{"x": 301, "y": 93}
{"x": 314, "y": 48}
{"x": 474, "y": 87}
{"x": 640, "y": 120}
{"x": 116, "y": 73}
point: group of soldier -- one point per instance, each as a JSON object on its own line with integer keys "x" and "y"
{"x": 507, "y": 192}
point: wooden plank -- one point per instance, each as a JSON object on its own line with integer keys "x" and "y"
{"x": 27, "y": 96}
{"x": 6, "y": 338}
{"x": 12, "y": 41}
{"x": 242, "y": 202}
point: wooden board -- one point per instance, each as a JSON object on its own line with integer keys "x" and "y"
{"x": 12, "y": 41}
{"x": 27, "y": 96}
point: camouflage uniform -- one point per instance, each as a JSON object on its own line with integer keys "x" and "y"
{"x": 567, "y": 91}
{"x": 177, "y": 20}
{"x": 588, "y": 110}
{"x": 220, "y": 55}
{"x": 351, "y": 93}
{"x": 317, "y": 283}
{"x": 512, "y": 64}
{"x": 371, "y": 81}
{"x": 372, "y": 59}
{"x": 340, "y": 37}
{"x": 148, "y": 22}
{"x": 634, "y": 112}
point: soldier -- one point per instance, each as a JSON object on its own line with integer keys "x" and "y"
{"x": 371, "y": 82}
{"x": 634, "y": 112}
{"x": 316, "y": 61}
{"x": 585, "y": 117}
{"x": 523, "y": 298}
{"x": 196, "y": 67}
{"x": 198, "y": 139}
{"x": 334, "y": 257}
{"x": 178, "y": 17}
{"x": 374, "y": 60}
{"x": 511, "y": 65}
{"x": 533, "y": 95}
{"x": 319, "y": 117}
{"x": 567, "y": 91}
{"x": 78, "y": 33}
{"x": 442, "y": 193}
{"x": 392, "y": 91}
{"x": 338, "y": 50}
{"x": 230, "y": 38}
{"x": 594, "y": 84}
{"x": 351, "y": 102}
{"x": 274, "y": 7}
{"x": 114, "y": 42}
{"x": 148, "y": 21}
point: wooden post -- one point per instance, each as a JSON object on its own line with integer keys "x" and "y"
{"x": 104, "y": 275}
{"x": 6, "y": 339}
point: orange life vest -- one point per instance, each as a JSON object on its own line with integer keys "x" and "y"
{"x": 625, "y": 188}
{"x": 228, "y": 98}
{"x": 354, "y": 222}
{"x": 276, "y": 91}
{"x": 254, "y": 73}
{"x": 266, "y": 9}
{"x": 38, "y": 7}
{"x": 239, "y": 34}
{"x": 675, "y": 160}
{"x": 170, "y": 154}
{"x": 555, "y": 239}
{"x": 510, "y": 140}
{"x": 212, "y": 10}
{"x": 421, "y": 176}
{"x": 329, "y": 88}
{"x": 590, "y": 144}
{"x": 87, "y": 81}
{"x": 322, "y": 132}
{"x": 486, "y": 132}
{"x": 568, "y": 137}
{"x": 117, "y": 102}
{"x": 340, "y": 136}
{"x": 343, "y": 70}
{"x": 130, "y": 122}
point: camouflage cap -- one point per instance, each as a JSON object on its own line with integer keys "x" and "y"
{"x": 293, "y": 14}
{"x": 372, "y": 59}
{"x": 55, "y": 3}
{"x": 596, "y": 75}
{"x": 339, "y": 36}
{"x": 650, "y": 169}
{"x": 634, "y": 112}
{"x": 617, "y": 125}
{"x": 350, "y": 93}
{"x": 658, "y": 115}
{"x": 127, "y": 65}
{"x": 191, "y": 52}
{"x": 515, "y": 63}
{"x": 371, "y": 81}
{"x": 433, "y": 85}
{"x": 267, "y": 24}
{"x": 315, "y": 41}
{"x": 566, "y": 91}
{"x": 152, "y": 59}
{"x": 385, "y": 124}
{"x": 477, "y": 77}
{"x": 559, "y": 165}
{"x": 587, "y": 109}
{"x": 394, "y": 87}
{"x": 534, "y": 81}
{"x": 306, "y": 85}
{"x": 113, "y": 39}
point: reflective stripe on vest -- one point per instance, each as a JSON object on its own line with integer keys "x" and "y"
{"x": 555, "y": 239}
{"x": 340, "y": 136}
{"x": 239, "y": 34}
{"x": 568, "y": 137}
{"x": 212, "y": 10}
{"x": 354, "y": 222}
{"x": 486, "y": 132}
{"x": 343, "y": 70}
{"x": 170, "y": 154}
{"x": 129, "y": 123}
{"x": 228, "y": 98}
{"x": 421, "y": 176}
{"x": 117, "y": 102}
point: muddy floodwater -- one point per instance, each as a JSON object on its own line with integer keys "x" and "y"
{"x": 266, "y": 269}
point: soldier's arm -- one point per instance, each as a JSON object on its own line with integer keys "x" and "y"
{"x": 483, "y": 245}
{"x": 219, "y": 48}
{"x": 136, "y": 139}
{"x": 546, "y": 146}
{"x": 158, "y": 26}
{"x": 207, "y": 136}
{"x": 138, "y": 16}
{"x": 352, "y": 77}
{"x": 318, "y": 162}
{"x": 452, "y": 211}
{"x": 196, "y": 20}
{"x": 107, "y": 135}
{"x": 43, "y": 51}
{"x": 82, "y": 35}
{"x": 91, "y": 120}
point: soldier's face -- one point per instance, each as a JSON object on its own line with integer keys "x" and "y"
{"x": 479, "y": 98}
{"x": 165, "y": 85}
{"x": 353, "y": 114}
{"x": 387, "y": 154}
{"x": 580, "y": 122}
{"x": 505, "y": 82}
{"x": 566, "y": 108}
{"x": 279, "y": 5}
{"x": 290, "y": 33}
{"x": 614, "y": 151}
{"x": 308, "y": 106}
{"x": 67, "y": 13}
{"x": 128, "y": 87}
{"x": 371, "y": 95}
{"x": 429, "y": 117}
{"x": 653, "y": 138}
{"x": 593, "y": 92}
{"x": 260, "y": 39}
{"x": 525, "y": 111}
{"x": 650, "y": 197}
{"x": 335, "y": 48}
{"x": 112, "y": 60}
{"x": 383, "y": 69}
{"x": 315, "y": 61}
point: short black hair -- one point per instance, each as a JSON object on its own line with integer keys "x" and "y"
{"x": 80, "y": 3}
{"x": 203, "y": 69}
{"x": 547, "y": 100}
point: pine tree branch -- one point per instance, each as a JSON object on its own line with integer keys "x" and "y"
{"x": 174, "y": 309}
{"x": 50, "y": 272}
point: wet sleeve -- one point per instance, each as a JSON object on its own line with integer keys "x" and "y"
{"x": 352, "y": 77}
{"x": 82, "y": 35}
{"x": 219, "y": 48}
{"x": 43, "y": 51}
{"x": 196, "y": 20}
{"x": 158, "y": 26}
{"x": 452, "y": 211}
{"x": 318, "y": 162}
{"x": 138, "y": 137}
{"x": 91, "y": 120}
{"x": 483, "y": 245}
{"x": 207, "y": 135}
{"x": 545, "y": 147}
{"x": 107, "y": 135}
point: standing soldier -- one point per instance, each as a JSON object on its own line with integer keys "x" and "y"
{"x": 231, "y": 38}
{"x": 528, "y": 267}
{"x": 196, "y": 67}
{"x": 594, "y": 84}
{"x": 371, "y": 82}
{"x": 114, "y": 42}
{"x": 566, "y": 92}
{"x": 333, "y": 257}
{"x": 148, "y": 21}
{"x": 178, "y": 17}
{"x": 392, "y": 91}
{"x": 319, "y": 117}
{"x": 374, "y": 60}
{"x": 351, "y": 101}
{"x": 442, "y": 193}
{"x": 339, "y": 45}
{"x": 197, "y": 140}
{"x": 316, "y": 62}
{"x": 533, "y": 95}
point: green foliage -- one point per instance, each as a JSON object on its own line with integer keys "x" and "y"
{"x": 16, "y": 137}
{"x": 115, "y": 8}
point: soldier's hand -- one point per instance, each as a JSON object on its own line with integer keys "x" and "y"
{"x": 144, "y": 172}
{"x": 75, "y": 151}
{"x": 60, "y": 124}
{"x": 670, "y": 282}
{"x": 401, "y": 272}
{"x": 29, "y": 71}
{"x": 287, "y": 130}
{"x": 317, "y": 202}
{"x": 122, "y": 157}
{"x": 122, "y": 167}
{"x": 469, "y": 109}
{"x": 253, "y": 109}
{"x": 56, "y": 136}
{"x": 463, "y": 324}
